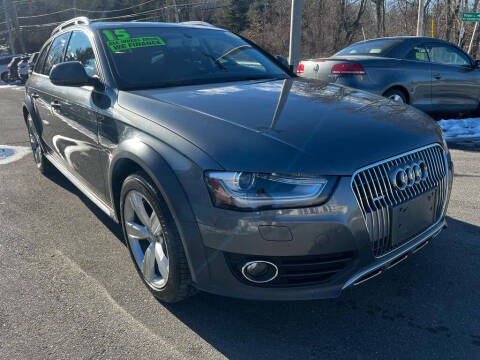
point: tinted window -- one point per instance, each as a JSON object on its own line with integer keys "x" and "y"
{"x": 80, "y": 49}
{"x": 375, "y": 47}
{"x": 41, "y": 60}
{"x": 447, "y": 55}
{"x": 55, "y": 54}
{"x": 161, "y": 56}
{"x": 418, "y": 53}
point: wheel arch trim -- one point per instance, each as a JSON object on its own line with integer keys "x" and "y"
{"x": 158, "y": 169}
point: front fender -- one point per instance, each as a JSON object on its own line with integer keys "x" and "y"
{"x": 159, "y": 170}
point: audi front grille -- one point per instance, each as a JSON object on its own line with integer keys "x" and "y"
{"x": 377, "y": 194}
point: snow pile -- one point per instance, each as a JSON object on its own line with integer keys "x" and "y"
{"x": 460, "y": 128}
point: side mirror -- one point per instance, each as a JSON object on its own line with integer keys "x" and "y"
{"x": 477, "y": 64}
{"x": 283, "y": 61}
{"x": 70, "y": 73}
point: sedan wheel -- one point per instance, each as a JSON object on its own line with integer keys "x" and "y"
{"x": 146, "y": 239}
{"x": 397, "y": 98}
{"x": 396, "y": 95}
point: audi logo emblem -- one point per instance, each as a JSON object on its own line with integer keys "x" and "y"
{"x": 409, "y": 175}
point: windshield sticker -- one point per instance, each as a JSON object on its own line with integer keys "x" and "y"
{"x": 119, "y": 40}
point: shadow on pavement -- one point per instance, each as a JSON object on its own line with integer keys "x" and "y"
{"x": 467, "y": 144}
{"x": 426, "y": 307}
{"x": 393, "y": 313}
{"x": 58, "y": 178}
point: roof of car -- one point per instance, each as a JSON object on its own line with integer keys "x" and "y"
{"x": 402, "y": 38}
{"x": 110, "y": 24}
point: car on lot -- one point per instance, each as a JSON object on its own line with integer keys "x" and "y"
{"x": 13, "y": 68}
{"x": 32, "y": 60}
{"x": 4, "y": 62}
{"x": 431, "y": 74}
{"x": 226, "y": 171}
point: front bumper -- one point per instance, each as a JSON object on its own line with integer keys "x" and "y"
{"x": 333, "y": 231}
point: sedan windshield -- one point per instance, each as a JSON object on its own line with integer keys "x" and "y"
{"x": 149, "y": 57}
{"x": 375, "y": 47}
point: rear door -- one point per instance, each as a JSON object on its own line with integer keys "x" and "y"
{"x": 455, "y": 81}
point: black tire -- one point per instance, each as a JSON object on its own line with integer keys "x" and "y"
{"x": 178, "y": 286}
{"x": 43, "y": 165}
{"x": 4, "y": 76}
{"x": 396, "y": 95}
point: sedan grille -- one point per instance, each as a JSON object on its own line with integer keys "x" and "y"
{"x": 377, "y": 194}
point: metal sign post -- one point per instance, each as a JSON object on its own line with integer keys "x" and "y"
{"x": 473, "y": 37}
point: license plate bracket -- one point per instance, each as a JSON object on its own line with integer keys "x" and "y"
{"x": 412, "y": 217}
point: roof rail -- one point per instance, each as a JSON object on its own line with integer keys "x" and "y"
{"x": 200, "y": 23}
{"x": 76, "y": 21}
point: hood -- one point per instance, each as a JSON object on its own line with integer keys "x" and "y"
{"x": 288, "y": 126}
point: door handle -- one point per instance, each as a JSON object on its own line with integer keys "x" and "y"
{"x": 35, "y": 96}
{"x": 55, "y": 105}
{"x": 437, "y": 76}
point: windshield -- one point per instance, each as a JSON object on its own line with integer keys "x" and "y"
{"x": 148, "y": 57}
{"x": 376, "y": 48}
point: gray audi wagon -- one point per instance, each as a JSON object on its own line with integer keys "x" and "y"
{"x": 228, "y": 173}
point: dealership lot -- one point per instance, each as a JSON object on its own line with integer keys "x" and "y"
{"x": 68, "y": 288}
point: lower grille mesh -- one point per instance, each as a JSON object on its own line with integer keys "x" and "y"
{"x": 377, "y": 196}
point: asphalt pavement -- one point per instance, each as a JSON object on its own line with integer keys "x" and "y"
{"x": 68, "y": 288}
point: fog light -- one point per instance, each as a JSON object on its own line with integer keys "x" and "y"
{"x": 260, "y": 271}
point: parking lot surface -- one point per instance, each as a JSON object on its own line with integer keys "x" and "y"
{"x": 68, "y": 288}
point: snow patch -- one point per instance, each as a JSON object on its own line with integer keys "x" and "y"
{"x": 460, "y": 128}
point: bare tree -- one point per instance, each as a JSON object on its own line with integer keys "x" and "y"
{"x": 379, "y": 17}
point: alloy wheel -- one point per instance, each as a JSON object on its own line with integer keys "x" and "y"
{"x": 34, "y": 142}
{"x": 146, "y": 239}
{"x": 397, "y": 98}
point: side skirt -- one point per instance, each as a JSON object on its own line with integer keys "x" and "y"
{"x": 82, "y": 187}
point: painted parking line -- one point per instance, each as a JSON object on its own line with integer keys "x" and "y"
{"x": 9, "y": 154}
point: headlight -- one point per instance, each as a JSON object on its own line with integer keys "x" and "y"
{"x": 256, "y": 191}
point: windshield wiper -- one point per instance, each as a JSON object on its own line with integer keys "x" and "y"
{"x": 232, "y": 51}
{"x": 216, "y": 61}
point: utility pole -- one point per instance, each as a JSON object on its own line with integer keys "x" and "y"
{"x": 17, "y": 29}
{"x": 421, "y": 11}
{"x": 74, "y": 5}
{"x": 175, "y": 10}
{"x": 7, "y": 23}
{"x": 295, "y": 34}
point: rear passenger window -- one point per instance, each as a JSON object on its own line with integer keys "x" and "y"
{"x": 55, "y": 54}
{"x": 41, "y": 60}
{"x": 80, "y": 49}
{"x": 418, "y": 53}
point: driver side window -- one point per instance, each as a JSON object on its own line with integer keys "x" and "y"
{"x": 447, "y": 55}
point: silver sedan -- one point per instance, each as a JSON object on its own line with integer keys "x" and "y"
{"x": 430, "y": 74}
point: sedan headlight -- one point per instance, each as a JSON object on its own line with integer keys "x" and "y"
{"x": 256, "y": 191}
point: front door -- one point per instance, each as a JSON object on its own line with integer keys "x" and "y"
{"x": 455, "y": 81}
{"x": 74, "y": 118}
